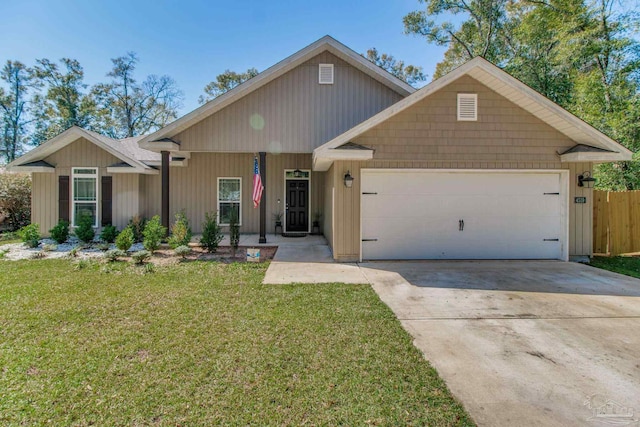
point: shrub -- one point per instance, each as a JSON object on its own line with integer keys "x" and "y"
{"x": 137, "y": 224}
{"x": 50, "y": 248}
{"x": 153, "y": 234}
{"x": 109, "y": 233}
{"x": 211, "y": 232}
{"x": 15, "y": 200}
{"x": 182, "y": 251}
{"x": 60, "y": 232}
{"x": 84, "y": 230}
{"x": 125, "y": 239}
{"x": 104, "y": 246}
{"x": 180, "y": 232}
{"x": 141, "y": 256}
{"x": 30, "y": 235}
{"x": 234, "y": 233}
{"x": 113, "y": 254}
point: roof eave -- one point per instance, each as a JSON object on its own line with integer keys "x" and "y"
{"x": 323, "y": 161}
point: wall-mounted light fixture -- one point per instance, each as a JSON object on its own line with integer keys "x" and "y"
{"x": 586, "y": 180}
{"x": 348, "y": 180}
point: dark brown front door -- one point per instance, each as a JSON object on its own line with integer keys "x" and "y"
{"x": 297, "y": 205}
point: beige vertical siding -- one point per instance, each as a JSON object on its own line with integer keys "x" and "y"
{"x": 82, "y": 153}
{"x": 328, "y": 217}
{"x": 126, "y": 198}
{"x": 194, "y": 188}
{"x": 299, "y": 114}
{"x": 580, "y": 215}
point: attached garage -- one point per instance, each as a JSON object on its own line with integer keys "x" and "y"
{"x": 454, "y": 214}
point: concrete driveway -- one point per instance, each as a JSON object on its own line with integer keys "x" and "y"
{"x": 524, "y": 343}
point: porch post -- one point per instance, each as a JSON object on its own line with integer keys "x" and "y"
{"x": 263, "y": 202}
{"x": 165, "y": 189}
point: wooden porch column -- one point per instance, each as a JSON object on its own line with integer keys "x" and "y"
{"x": 263, "y": 202}
{"x": 165, "y": 189}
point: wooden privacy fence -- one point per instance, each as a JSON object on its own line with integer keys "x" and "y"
{"x": 616, "y": 222}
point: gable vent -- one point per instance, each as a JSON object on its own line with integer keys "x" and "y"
{"x": 467, "y": 106}
{"x": 325, "y": 74}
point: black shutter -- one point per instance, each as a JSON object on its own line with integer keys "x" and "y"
{"x": 63, "y": 198}
{"x": 107, "y": 205}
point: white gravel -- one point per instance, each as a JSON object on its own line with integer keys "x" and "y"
{"x": 17, "y": 251}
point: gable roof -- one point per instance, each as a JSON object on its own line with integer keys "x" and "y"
{"x": 502, "y": 83}
{"x": 326, "y": 43}
{"x": 126, "y": 150}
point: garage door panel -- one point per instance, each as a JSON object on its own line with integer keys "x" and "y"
{"x": 415, "y": 215}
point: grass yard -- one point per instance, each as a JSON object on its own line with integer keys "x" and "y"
{"x": 621, "y": 264}
{"x": 203, "y": 343}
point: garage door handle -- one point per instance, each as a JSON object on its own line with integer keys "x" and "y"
{"x": 369, "y": 240}
{"x": 364, "y": 192}
{"x": 461, "y": 225}
{"x": 551, "y": 194}
{"x": 551, "y": 240}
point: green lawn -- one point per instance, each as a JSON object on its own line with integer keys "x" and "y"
{"x": 201, "y": 344}
{"x": 621, "y": 264}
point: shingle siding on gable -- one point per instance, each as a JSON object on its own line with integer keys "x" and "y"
{"x": 299, "y": 114}
{"x": 430, "y": 131}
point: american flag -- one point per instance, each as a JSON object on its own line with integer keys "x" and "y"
{"x": 257, "y": 184}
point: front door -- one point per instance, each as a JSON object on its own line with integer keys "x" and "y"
{"x": 297, "y": 205}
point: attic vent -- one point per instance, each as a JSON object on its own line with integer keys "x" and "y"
{"x": 325, "y": 74}
{"x": 468, "y": 107}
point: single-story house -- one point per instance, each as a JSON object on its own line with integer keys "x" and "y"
{"x": 475, "y": 165}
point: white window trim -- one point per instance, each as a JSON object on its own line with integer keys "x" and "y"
{"x": 320, "y": 66}
{"x": 95, "y": 175}
{"x": 239, "y": 178}
{"x": 467, "y": 95}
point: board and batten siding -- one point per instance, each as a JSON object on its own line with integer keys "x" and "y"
{"x": 428, "y": 136}
{"x": 292, "y": 114}
{"x": 82, "y": 153}
{"x": 329, "y": 194}
{"x": 194, "y": 188}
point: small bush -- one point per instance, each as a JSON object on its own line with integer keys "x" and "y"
{"x": 211, "y": 232}
{"x": 60, "y": 232}
{"x": 182, "y": 251}
{"x": 104, "y": 246}
{"x": 113, "y": 254}
{"x": 153, "y": 234}
{"x": 125, "y": 239}
{"x": 84, "y": 230}
{"x": 15, "y": 199}
{"x": 73, "y": 252}
{"x": 50, "y": 248}
{"x": 180, "y": 231}
{"x": 38, "y": 255}
{"x": 141, "y": 256}
{"x": 109, "y": 233}
{"x": 137, "y": 225}
{"x": 30, "y": 235}
{"x": 3, "y": 253}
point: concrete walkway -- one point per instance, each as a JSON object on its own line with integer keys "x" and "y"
{"x": 308, "y": 260}
{"x": 523, "y": 343}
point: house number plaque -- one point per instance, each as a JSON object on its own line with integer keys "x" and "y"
{"x": 581, "y": 200}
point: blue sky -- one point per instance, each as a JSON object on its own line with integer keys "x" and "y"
{"x": 193, "y": 41}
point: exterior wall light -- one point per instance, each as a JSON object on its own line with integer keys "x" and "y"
{"x": 348, "y": 180}
{"x": 586, "y": 180}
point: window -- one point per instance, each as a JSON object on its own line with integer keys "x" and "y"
{"x": 468, "y": 107}
{"x": 85, "y": 194}
{"x": 229, "y": 200}
{"x": 325, "y": 74}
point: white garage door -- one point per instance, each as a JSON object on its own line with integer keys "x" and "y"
{"x": 463, "y": 215}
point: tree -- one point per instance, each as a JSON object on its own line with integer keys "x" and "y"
{"x": 409, "y": 73}
{"x": 479, "y": 34}
{"x": 127, "y": 108}
{"x": 14, "y": 108}
{"x": 63, "y": 104}
{"x": 225, "y": 82}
